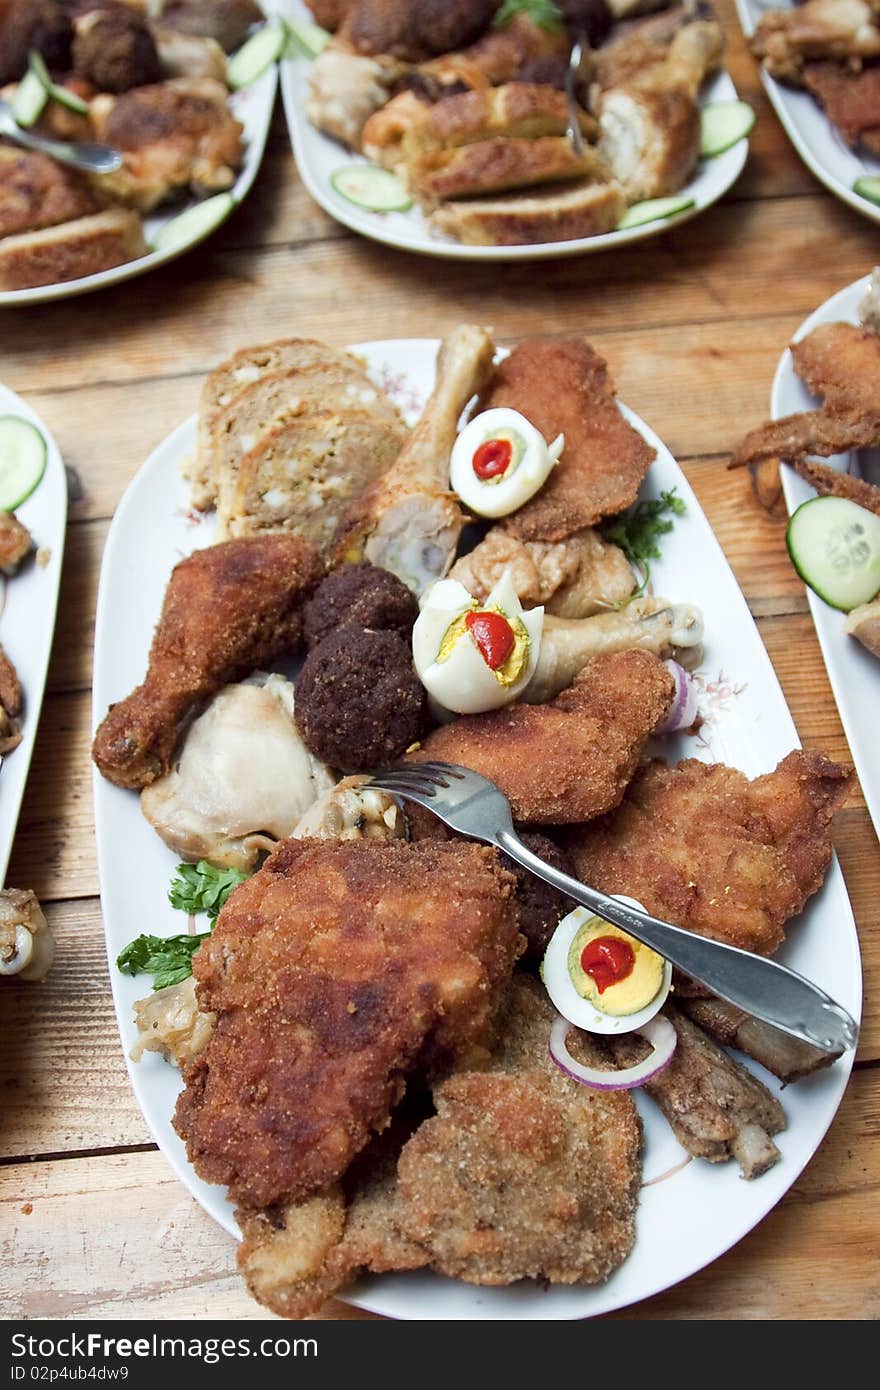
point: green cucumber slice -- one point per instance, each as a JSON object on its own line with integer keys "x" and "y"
{"x": 194, "y": 224}
{"x": 868, "y": 186}
{"x": 62, "y": 95}
{"x": 652, "y": 211}
{"x": 377, "y": 190}
{"x": 835, "y": 547}
{"x": 723, "y": 124}
{"x": 262, "y": 49}
{"x": 29, "y": 100}
{"x": 22, "y": 460}
{"x": 306, "y": 38}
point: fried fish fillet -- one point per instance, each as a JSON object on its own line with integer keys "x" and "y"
{"x": 703, "y": 847}
{"x": 228, "y": 610}
{"x": 571, "y": 759}
{"x": 336, "y": 971}
{"x": 562, "y": 385}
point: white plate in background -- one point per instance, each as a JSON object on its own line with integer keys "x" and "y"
{"x": 318, "y": 157}
{"x": 853, "y": 672}
{"x": 27, "y": 617}
{"x": 817, "y": 141}
{"x": 688, "y": 1216}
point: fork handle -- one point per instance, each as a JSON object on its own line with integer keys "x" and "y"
{"x": 763, "y": 988}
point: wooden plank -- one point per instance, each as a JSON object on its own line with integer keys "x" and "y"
{"x": 160, "y": 1256}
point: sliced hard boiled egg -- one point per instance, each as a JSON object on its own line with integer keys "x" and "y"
{"x": 499, "y": 461}
{"x": 473, "y": 657}
{"x": 600, "y": 978}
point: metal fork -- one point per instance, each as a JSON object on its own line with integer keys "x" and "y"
{"x": 79, "y": 154}
{"x": 474, "y": 806}
{"x": 580, "y": 52}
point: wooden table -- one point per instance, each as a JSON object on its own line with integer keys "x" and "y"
{"x": 692, "y": 323}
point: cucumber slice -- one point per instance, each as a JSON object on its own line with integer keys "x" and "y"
{"x": 652, "y": 211}
{"x": 262, "y": 49}
{"x": 29, "y": 100}
{"x": 377, "y": 190}
{"x": 194, "y": 224}
{"x": 306, "y": 38}
{"x": 835, "y": 547}
{"x": 62, "y": 95}
{"x": 22, "y": 461}
{"x": 868, "y": 186}
{"x": 723, "y": 124}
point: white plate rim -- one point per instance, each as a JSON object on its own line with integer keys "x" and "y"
{"x": 45, "y": 515}
{"x": 260, "y": 98}
{"x": 368, "y": 1294}
{"x": 369, "y": 224}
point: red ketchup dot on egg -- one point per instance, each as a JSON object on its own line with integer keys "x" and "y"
{"x": 493, "y": 458}
{"x": 493, "y": 635}
{"x": 608, "y": 960}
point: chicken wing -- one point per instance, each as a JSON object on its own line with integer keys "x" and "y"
{"x": 841, "y": 29}
{"x": 562, "y": 385}
{"x": 408, "y": 521}
{"x": 571, "y": 759}
{"x": 703, "y": 847}
{"x": 574, "y": 578}
{"x": 228, "y": 610}
{"x": 335, "y": 971}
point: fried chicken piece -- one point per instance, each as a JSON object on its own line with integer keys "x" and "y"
{"x": 571, "y": 759}
{"x": 851, "y": 100}
{"x": 173, "y": 136}
{"x": 523, "y": 1173}
{"x": 706, "y": 849}
{"x": 519, "y": 49}
{"x": 863, "y": 623}
{"x": 407, "y": 521}
{"x": 574, "y": 578}
{"x": 11, "y": 704}
{"x": 336, "y": 971}
{"x": 225, "y": 21}
{"x": 37, "y": 192}
{"x": 228, "y": 610}
{"x": 16, "y": 543}
{"x": 830, "y": 482}
{"x": 840, "y": 29}
{"x": 841, "y": 363}
{"x": 716, "y": 1108}
{"x": 562, "y": 386}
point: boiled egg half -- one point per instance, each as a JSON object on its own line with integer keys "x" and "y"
{"x": 499, "y": 461}
{"x": 473, "y": 657}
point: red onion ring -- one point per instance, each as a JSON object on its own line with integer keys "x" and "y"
{"x": 685, "y": 702}
{"x": 659, "y": 1032}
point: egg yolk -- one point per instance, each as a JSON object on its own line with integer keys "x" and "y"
{"x": 498, "y": 456}
{"x": 615, "y": 972}
{"x": 502, "y": 642}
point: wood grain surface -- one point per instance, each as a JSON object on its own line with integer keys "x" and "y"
{"x": 692, "y": 324}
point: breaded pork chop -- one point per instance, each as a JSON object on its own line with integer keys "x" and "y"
{"x": 337, "y": 970}
{"x": 562, "y": 385}
{"x": 228, "y": 610}
{"x": 705, "y": 848}
{"x": 570, "y": 759}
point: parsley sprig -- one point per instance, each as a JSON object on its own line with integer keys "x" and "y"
{"x": 202, "y": 888}
{"x": 167, "y": 958}
{"x": 638, "y": 531}
{"x": 544, "y": 13}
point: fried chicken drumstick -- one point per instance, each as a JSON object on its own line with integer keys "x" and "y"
{"x": 571, "y": 759}
{"x": 228, "y": 610}
{"x": 334, "y": 972}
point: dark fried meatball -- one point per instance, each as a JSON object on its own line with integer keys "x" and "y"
{"x": 227, "y": 21}
{"x": 27, "y": 24}
{"x": 541, "y": 908}
{"x": 416, "y": 31}
{"x": 359, "y": 596}
{"x": 359, "y": 703}
{"x": 591, "y": 17}
{"x": 444, "y": 25}
{"x": 114, "y": 49}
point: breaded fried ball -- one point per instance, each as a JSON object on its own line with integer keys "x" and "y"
{"x": 359, "y": 703}
{"x": 114, "y": 49}
{"x": 359, "y": 596}
{"x": 32, "y": 24}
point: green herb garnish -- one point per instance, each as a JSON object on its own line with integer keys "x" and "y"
{"x": 638, "y": 532}
{"x": 544, "y": 13}
{"x": 168, "y": 959}
{"x": 202, "y": 888}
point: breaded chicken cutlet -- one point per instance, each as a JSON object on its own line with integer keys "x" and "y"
{"x": 568, "y": 760}
{"x": 228, "y": 610}
{"x": 38, "y": 192}
{"x": 337, "y": 970}
{"x": 706, "y": 849}
{"x": 521, "y": 1174}
{"x": 562, "y": 386}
